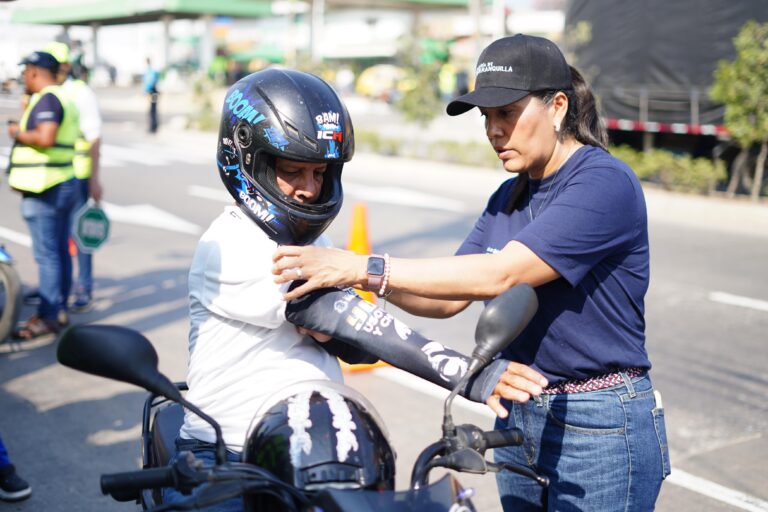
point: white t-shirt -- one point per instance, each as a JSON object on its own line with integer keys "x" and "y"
{"x": 87, "y": 106}
{"x": 241, "y": 348}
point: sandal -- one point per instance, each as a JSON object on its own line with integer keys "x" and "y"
{"x": 35, "y": 327}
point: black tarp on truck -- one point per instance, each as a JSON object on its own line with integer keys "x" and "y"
{"x": 651, "y": 62}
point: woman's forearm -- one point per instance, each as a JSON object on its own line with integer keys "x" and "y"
{"x": 422, "y": 306}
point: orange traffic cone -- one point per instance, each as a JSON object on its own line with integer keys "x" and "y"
{"x": 359, "y": 243}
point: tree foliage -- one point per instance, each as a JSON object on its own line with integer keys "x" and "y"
{"x": 420, "y": 95}
{"x": 742, "y": 86}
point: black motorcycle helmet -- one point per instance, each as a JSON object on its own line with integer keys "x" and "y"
{"x": 288, "y": 114}
{"x": 320, "y": 434}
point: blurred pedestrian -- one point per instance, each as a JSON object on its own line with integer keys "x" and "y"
{"x": 12, "y": 486}
{"x": 41, "y": 170}
{"x": 151, "y": 80}
{"x": 573, "y": 224}
{"x": 86, "y": 161}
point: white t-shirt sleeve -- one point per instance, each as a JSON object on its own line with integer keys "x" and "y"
{"x": 90, "y": 118}
{"x": 231, "y": 274}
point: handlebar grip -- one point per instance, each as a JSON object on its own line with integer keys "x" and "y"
{"x": 501, "y": 438}
{"x": 127, "y": 486}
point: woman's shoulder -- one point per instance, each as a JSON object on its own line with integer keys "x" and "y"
{"x": 597, "y": 163}
{"x": 505, "y": 188}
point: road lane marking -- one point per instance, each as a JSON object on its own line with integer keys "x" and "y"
{"x": 403, "y": 197}
{"x": 716, "y": 491}
{"x": 139, "y": 214}
{"x": 128, "y": 154}
{"x": 148, "y": 215}
{"x": 415, "y": 383}
{"x": 737, "y": 300}
{"x": 209, "y": 193}
{"x": 387, "y": 195}
{"x": 678, "y": 477}
{"x": 16, "y": 237}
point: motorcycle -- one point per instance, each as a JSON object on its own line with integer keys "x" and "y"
{"x": 10, "y": 294}
{"x": 125, "y": 355}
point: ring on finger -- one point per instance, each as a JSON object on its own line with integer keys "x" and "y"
{"x": 299, "y": 273}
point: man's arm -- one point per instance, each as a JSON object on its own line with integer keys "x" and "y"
{"x": 94, "y": 185}
{"x": 43, "y": 135}
{"x": 351, "y": 320}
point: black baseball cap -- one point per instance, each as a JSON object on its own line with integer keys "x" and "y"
{"x": 512, "y": 67}
{"x": 42, "y": 60}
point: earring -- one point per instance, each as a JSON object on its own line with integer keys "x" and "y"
{"x": 557, "y": 128}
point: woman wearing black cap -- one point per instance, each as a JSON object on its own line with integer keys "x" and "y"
{"x": 573, "y": 224}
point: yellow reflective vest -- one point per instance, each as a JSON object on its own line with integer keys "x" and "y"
{"x": 35, "y": 169}
{"x": 82, "y": 162}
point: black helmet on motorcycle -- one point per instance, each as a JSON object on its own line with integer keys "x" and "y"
{"x": 292, "y": 115}
{"x": 320, "y": 434}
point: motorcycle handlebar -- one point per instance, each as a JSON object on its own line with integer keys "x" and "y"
{"x": 501, "y": 438}
{"x": 127, "y": 486}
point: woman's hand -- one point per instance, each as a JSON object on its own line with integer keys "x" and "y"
{"x": 321, "y": 267}
{"x": 518, "y": 383}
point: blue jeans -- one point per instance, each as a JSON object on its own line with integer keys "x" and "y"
{"x": 48, "y": 217}
{"x": 603, "y": 450}
{"x": 84, "y": 281}
{"x": 206, "y": 453}
{"x": 5, "y": 460}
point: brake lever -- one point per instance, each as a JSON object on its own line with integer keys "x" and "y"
{"x": 465, "y": 460}
{"x": 496, "y": 467}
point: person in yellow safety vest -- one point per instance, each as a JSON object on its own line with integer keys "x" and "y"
{"x": 86, "y": 161}
{"x": 41, "y": 170}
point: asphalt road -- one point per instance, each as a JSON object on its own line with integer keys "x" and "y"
{"x": 64, "y": 429}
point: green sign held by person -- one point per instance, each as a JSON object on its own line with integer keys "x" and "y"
{"x": 90, "y": 228}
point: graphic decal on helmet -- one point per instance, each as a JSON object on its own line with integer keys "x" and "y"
{"x": 346, "y": 441}
{"x": 445, "y": 365}
{"x": 242, "y": 107}
{"x": 298, "y": 420}
{"x": 329, "y": 129}
{"x": 250, "y": 197}
{"x": 275, "y": 138}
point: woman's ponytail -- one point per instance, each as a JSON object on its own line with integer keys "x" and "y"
{"x": 582, "y": 120}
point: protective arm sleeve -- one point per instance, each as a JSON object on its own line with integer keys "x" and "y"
{"x": 365, "y": 326}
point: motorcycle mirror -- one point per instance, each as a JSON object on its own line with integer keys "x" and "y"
{"x": 502, "y": 320}
{"x": 116, "y": 353}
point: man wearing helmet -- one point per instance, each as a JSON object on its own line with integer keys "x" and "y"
{"x": 284, "y": 138}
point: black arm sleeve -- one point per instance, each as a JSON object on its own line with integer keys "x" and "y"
{"x": 348, "y": 353}
{"x": 365, "y": 326}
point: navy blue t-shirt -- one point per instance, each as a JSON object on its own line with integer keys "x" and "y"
{"x": 587, "y": 221}
{"x": 48, "y": 110}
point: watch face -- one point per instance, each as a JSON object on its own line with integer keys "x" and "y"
{"x": 376, "y": 266}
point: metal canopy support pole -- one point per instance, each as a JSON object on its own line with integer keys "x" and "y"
{"x": 647, "y": 136}
{"x": 475, "y": 12}
{"x": 166, "y": 41}
{"x": 315, "y": 29}
{"x": 500, "y": 19}
{"x": 95, "y": 44}
{"x": 207, "y": 50}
